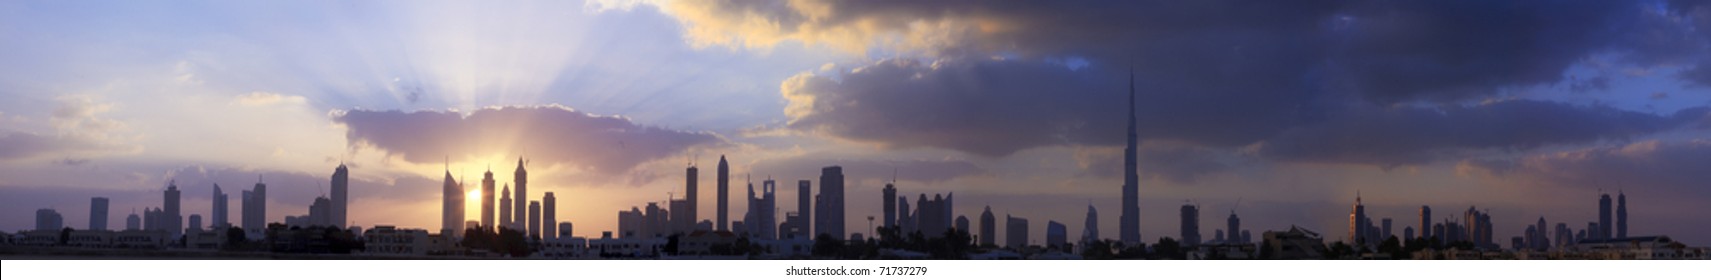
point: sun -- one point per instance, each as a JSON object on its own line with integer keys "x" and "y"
{"x": 473, "y": 195}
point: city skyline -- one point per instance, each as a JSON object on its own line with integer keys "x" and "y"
{"x": 608, "y": 102}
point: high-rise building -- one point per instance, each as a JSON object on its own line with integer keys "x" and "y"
{"x": 174, "y": 212}
{"x": 339, "y": 215}
{"x": 1542, "y": 241}
{"x": 1426, "y": 221}
{"x": 1191, "y": 225}
{"x": 451, "y": 209}
{"x": 804, "y": 213}
{"x": 487, "y": 184}
{"x": 1015, "y": 232}
{"x": 724, "y": 196}
{"x": 1621, "y": 215}
{"x": 1384, "y": 233}
{"x": 255, "y": 208}
{"x": 1129, "y": 224}
{"x": 195, "y": 224}
{"x": 1357, "y": 222}
{"x": 831, "y": 214}
{"x": 505, "y": 219}
{"x": 564, "y": 229}
{"x": 988, "y": 228}
{"x": 221, "y": 214}
{"x": 520, "y": 197}
{"x": 1090, "y": 232}
{"x": 549, "y": 205}
{"x": 1478, "y": 228}
{"x": 1235, "y": 225}
{"x": 932, "y": 217}
{"x": 762, "y": 216}
{"x": 1057, "y": 235}
{"x": 888, "y": 201}
{"x": 962, "y": 224}
{"x": 321, "y": 212}
{"x": 133, "y": 222}
{"x": 1407, "y": 234}
{"x": 686, "y": 214}
{"x": 535, "y": 219}
{"x": 1604, "y": 217}
{"x": 49, "y": 219}
{"x": 98, "y": 213}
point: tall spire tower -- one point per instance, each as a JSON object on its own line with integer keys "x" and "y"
{"x": 1130, "y": 224}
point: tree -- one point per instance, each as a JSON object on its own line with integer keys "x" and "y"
{"x": 1391, "y": 246}
{"x": 1337, "y": 250}
{"x": 1098, "y": 250}
{"x": 826, "y": 246}
{"x": 235, "y": 238}
{"x": 671, "y": 244}
{"x": 1168, "y": 248}
{"x": 64, "y": 235}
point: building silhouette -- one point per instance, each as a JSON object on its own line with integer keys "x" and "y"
{"x": 255, "y": 208}
{"x": 683, "y": 216}
{"x": 133, "y": 222}
{"x": 888, "y": 203}
{"x": 830, "y": 219}
{"x": 1129, "y": 224}
{"x": 549, "y": 204}
{"x": 535, "y": 219}
{"x": 1384, "y": 230}
{"x": 1426, "y": 222}
{"x": 1235, "y": 226}
{"x": 1190, "y": 225}
{"x": 723, "y": 180}
{"x": 1015, "y": 232}
{"x": 220, "y": 215}
{"x": 1604, "y": 217}
{"x": 1621, "y": 215}
{"x": 195, "y": 224}
{"x": 174, "y": 218}
{"x": 761, "y": 220}
{"x": 451, "y": 211}
{"x": 505, "y": 219}
{"x": 988, "y": 228}
{"x": 487, "y": 196}
{"x": 49, "y": 219}
{"x": 962, "y": 224}
{"x": 98, "y": 213}
{"x": 520, "y": 196}
{"x": 1090, "y": 229}
{"x": 1357, "y": 222}
{"x": 340, "y": 208}
{"x": 1057, "y": 235}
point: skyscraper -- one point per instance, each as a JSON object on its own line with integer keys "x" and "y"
{"x": 1384, "y": 232}
{"x": 1090, "y": 232}
{"x": 831, "y": 214}
{"x": 340, "y": 210}
{"x": 174, "y": 213}
{"x": 988, "y": 228}
{"x": 888, "y": 202}
{"x": 549, "y": 205}
{"x": 451, "y": 210}
{"x": 1426, "y": 221}
{"x": 761, "y": 217}
{"x": 520, "y": 197}
{"x": 1604, "y": 217}
{"x": 962, "y": 224}
{"x": 1357, "y": 222}
{"x": 724, "y": 196}
{"x": 686, "y": 217}
{"x": 487, "y": 185}
{"x": 1235, "y": 224}
{"x": 535, "y": 219}
{"x": 1057, "y": 235}
{"x": 255, "y": 208}
{"x": 1129, "y": 224}
{"x": 195, "y": 224}
{"x": 133, "y": 222}
{"x": 804, "y": 212}
{"x": 98, "y": 213}
{"x": 220, "y": 215}
{"x": 1621, "y": 215}
{"x": 1190, "y": 225}
{"x": 505, "y": 219}
{"x": 49, "y": 219}
{"x": 1015, "y": 232}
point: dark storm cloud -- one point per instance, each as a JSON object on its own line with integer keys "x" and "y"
{"x": 1177, "y": 164}
{"x": 1209, "y": 73}
{"x": 927, "y": 171}
{"x": 544, "y": 134}
{"x": 1403, "y": 135}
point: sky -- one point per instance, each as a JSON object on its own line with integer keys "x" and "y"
{"x": 1280, "y": 112}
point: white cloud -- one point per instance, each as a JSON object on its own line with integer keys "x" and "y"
{"x": 268, "y": 98}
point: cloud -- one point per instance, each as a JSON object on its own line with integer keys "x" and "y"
{"x": 1173, "y": 162}
{"x": 545, "y": 134}
{"x": 267, "y": 98}
{"x": 1383, "y": 52}
{"x": 918, "y": 170}
{"x": 79, "y": 130}
{"x": 1674, "y": 168}
{"x": 1404, "y": 135}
